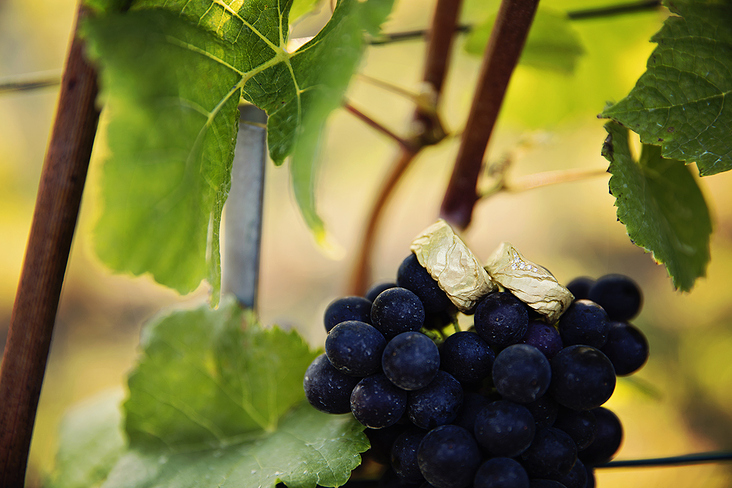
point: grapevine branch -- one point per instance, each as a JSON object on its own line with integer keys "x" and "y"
{"x": 500, "y": 58}
{"x": 49, "y": 243}
{"x": 405, "y": 144}
{"x": 439, "y": 46}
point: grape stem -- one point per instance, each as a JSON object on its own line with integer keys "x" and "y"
{"x": 539, "y": 180}
{"x": 54, "y": 219}
{"x": 686, "y": 459}
{"x": 379, "y": 127}
{"x": 430, "y": 131}
{"x": 499, "y": 60}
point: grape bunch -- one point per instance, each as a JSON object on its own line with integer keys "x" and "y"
{"x": 512, "y": 402}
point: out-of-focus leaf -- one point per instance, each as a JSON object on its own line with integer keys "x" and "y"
{"x": 173, "y": 73}
{"x": 552, "y": 43}
{"x": 682, "y": 101}
{"x": 661, "y": 206}
{"x": 90, "y": 442}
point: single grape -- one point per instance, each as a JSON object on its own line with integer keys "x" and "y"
{"x": 355, "y": 348}
{"x": 607, "y": 441}
{"x": 411, "y": 360}
{"x": 582, "y": 377}
{"x": 377, "y": 403}
{"x": 626, "y": 347}
{"x": 501, "y": 319}
{"x": 397, "y": 310}
{"x": 544, "y": 337}
{"x": 467, "y": 357}
{"x": 376, "y": 290}
{"x": 436, "y": 404}
{"x": 545, "y": 410}
{"x": 504, "y": 428}
{"x": 551, "y": 454}
{"x": 326, "y": 388}
{"x": 413, "y": 276}
{"x": 521, "y": 373}
{"x": 580, "y": 287}
{"x": 580, "y": 425}
{"x": 501, "y": 472}
{"x": 347, "y": 308}
{"x": 404, "y": 455}
{"x": 585, "y": 322}
{"x": 619, "y": 295}
{"x": 448, "y": 457}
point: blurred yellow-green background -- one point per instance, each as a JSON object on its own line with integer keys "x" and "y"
{"x": 549, "y": 122}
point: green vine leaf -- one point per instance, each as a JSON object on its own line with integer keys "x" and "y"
{"x": 661, "y": 205}
{"x": 682, "y": 101}
{"x": 173, "y": 74}
{"x": 552, "y": 43}
{"x": 217, "y": 401}
{"x": 90, "y": 442}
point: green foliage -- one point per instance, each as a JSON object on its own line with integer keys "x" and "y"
{"x": 90, "y": 443}
{"x": 215, "y": 400}
{"x": 681, "y": 102}
{"x": 661, "y": 206}
{"x": 173, "y": 74}
{"x": 552, "y": 44}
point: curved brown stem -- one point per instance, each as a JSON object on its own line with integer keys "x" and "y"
{"x": 49, "y": 243}
{"x": 500, "y": 58}
{"x": 442, "y": 31}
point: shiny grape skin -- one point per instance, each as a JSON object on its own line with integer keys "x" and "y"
{"x": 521, "y": 373}
{"x": 544, "y": 337}
{"x": 501, "y": 319}
{"x": 551, "y": 454}
{"x": 467, "y": 357}
{"x": 326, "y": 388}
{"x": 347, "y": 308}
{"x": 411, "y": 360}
{"x": 414, "y": 277}
{"x": 607, "y": 441}
{"x": 436, "y": 404}
{"x": 377, "y": 403}
{"x": 626, "y": 347}
{"x": 504, "y": 428}
{"x": 582, "y": 377}
{"x": 586, "y": 323}
{"x": 404, "y": 455}
{"x": 448, "y": 457}
{"x": 355, "y": 348}
{"x": 397, "y": 310}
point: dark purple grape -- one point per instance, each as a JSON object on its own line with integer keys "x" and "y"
{"x": 551, "y": 454}
{"x": 448, "y": 457}
{"x": 347, "y": 308}
{"x": 580, "y": 287}
{"x": 404, "y": 455}
{"x": 607, "y": 441}
{"x": 544, "y": 337}
{"x": 381, "y": 441}
{"x": 501, "y": 472}
{"x": 521, "y": 373}
{"x": 504, "y": 428}
{"x": 376, "y": 290}
{"x": 436, "y": 404}
{"x": 414, "y": 277}
{"x": 411, "y": 360}
{"x": 579, "y": 424}
{"x": 545, "y": 410}
{"x": 377, "y": 403}
{"x": 576, "y": 478}
{"x": 501, "y": 319}
{"x": 586, "y": 323}
{"x": 326, "y": 388}
{"x": 397, "y": 310}
{"x": 582, "y": 377}
{"x": 619, "y": 295}
{"x": 626, "y": 347}
{"x": 355, "y": 348}
{"x": 467, "y": 357}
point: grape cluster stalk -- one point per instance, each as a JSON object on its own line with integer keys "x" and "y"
{"x": 512, "y": 402}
